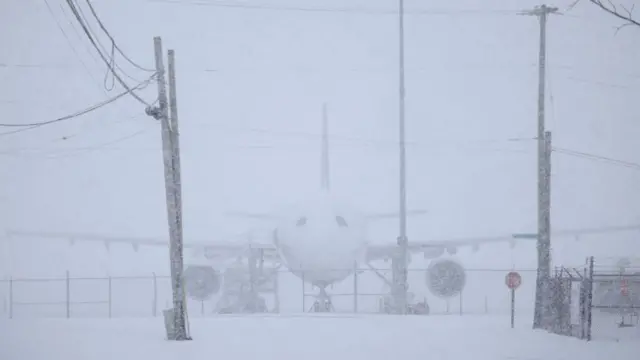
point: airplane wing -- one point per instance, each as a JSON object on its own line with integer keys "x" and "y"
{"x": 393, "y": 215}
{"x": 210, "y": 249}
{"x": 435, "y": 248}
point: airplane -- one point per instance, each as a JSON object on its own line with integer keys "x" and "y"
{"x": 320, "y": 240}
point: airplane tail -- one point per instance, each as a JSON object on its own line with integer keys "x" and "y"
{"x": 325, "y": 179}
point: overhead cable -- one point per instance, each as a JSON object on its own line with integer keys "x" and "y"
{"x": 30, "y": 126}
{"x": 115, "y": 45}
{"x": 351, "y": 10}
{"x": 102, "y": 56}
{"x": 589, "y": 156}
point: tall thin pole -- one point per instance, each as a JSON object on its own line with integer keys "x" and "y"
{"x": 355, "y": 287}
{"x": 546, "y": 213}
{"x": 589, "y": 304}
{"x": 110, "y": 294}
{"x": 175, "y": 142}
{"x": 10, "y": 297}
{"x": 154, "y": 305}
{"x": 402, "y": 239}
{"x": 68, "y": 294}
{"x": 543, "y": 243}
{"x": 180, "y": 307}
{"x": 161, "y": 113}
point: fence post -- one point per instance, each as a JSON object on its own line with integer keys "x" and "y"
{"x": 590, "y": 299}
{"x": 276, "y": 291}
{"x": 154, "y": 305}
{"x": 10, "y": 297}
{"x": 583, "y": 308}
{"x": 355, "y": 288}
{"x": 110, "y": 297}
{"x": 68, "y": 299}
{"x": 584, "y": 289}
{"x": 304, "y": 307}
{"x": 460, "y": 302}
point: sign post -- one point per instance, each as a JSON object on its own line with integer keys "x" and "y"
{"x": 513, "y": 281}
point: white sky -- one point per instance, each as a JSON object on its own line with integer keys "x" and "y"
{"x": 251, "y": 83}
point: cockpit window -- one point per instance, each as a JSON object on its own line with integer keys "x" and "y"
{"x": 301, "y": 222}
{"x": 341, "y": 221}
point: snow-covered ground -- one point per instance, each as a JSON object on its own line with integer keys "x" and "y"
{"x": 308, "y": 337}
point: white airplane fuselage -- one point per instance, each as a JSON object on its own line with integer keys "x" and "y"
{"x": 321, "y": 240}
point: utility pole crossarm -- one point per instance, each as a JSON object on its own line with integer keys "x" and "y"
{"x": 539, "y": 11}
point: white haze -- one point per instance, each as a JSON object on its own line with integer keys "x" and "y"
{"x": 251, "y": 83}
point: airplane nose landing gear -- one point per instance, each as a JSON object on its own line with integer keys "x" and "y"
{"x": 322, "y": 304}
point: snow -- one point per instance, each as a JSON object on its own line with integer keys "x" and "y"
{"x": 308, "y": 337}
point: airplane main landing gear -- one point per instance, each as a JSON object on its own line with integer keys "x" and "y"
{"x": 417, "y": 308}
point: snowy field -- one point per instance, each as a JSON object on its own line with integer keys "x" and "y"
{"x": 306, "y": 337}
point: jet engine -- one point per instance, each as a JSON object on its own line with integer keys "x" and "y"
{"x": 201, "y": 282}
{"x": 445, "y": 278}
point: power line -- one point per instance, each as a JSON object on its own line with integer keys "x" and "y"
{"x": 84, "y": 150}
{"x": 104, "y": 59}
{"x": 351, "y": 10}
{"x": 76, "y": 151}
{"x": 374, "y": 142}
{"x": 594, "y": 82}
{"x": 594, "y": 157}
{"x": 367, "y": 142}
{"x": 127, "y": 118}
{"x": 75, "y": 51}
{"x": 102, "y": 47}
{"x": 17, "y": 131}
{"x": 30, "y": 126}
{"x": 115, "y": 45}
{"x": 78, "y": 35}
{"x": 64, "y": 33}
{"x": 35, "y": 66}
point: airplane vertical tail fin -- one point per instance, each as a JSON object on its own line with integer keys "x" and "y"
{"x": 325, "y": 183}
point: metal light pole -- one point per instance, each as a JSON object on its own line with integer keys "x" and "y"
{"x": 401, "y": 266}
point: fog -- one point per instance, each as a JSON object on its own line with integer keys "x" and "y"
{"x": 252, "y": 77}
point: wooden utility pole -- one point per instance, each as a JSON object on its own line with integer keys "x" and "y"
{"x": 543, "y": 245}
{"x": 177, "y": 259}
{"x": 171, "y": 160}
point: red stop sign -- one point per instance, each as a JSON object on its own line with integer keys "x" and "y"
{"x": 513, "y": 280}
{"x": 624, "y": 288}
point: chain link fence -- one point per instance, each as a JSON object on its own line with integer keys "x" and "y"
{"x": 146, "y": 296}
{"x": 593, "y": 302}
